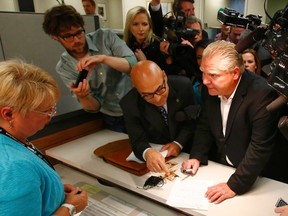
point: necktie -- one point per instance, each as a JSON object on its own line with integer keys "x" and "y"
{"x": 164, "y": 114}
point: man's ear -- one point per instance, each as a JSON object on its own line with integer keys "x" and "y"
{"x": 54, "y": 37}
{"x": 237, "y": 73}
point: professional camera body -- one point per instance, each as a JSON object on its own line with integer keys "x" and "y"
{"x": 230, "y": 17}
{"x": 174, "y": 30}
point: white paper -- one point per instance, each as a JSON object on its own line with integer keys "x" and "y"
{"x": 189, "y": 193}
{"x": 158, "y": 147}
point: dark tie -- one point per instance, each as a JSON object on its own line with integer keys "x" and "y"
{"x": 164, "y": 114}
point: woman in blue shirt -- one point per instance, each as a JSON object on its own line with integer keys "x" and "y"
{"x": 29, "y": 184}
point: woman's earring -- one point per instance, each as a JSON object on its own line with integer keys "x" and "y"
{"x": 11, "y": 124}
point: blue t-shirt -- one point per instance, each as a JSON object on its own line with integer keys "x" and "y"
{"x": 28, "y": 186}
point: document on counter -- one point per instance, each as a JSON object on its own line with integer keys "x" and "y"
{"x": 101, "y": 203}
{"x": 189, "y": 194}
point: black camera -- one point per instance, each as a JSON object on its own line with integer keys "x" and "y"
{"x": 174, "y": 30}
{"x": 230, "y": 17}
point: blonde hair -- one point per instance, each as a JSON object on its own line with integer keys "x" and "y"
{"x": 226, "y": 50}
{"x": 131, "y": 14}
{"x": 25, "y": 86}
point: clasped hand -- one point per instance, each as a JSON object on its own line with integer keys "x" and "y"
{"x": 75, "y": 197}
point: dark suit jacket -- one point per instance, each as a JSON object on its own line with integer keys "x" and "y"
{"x": 250, "y": 131}
{"x": 145, "y": 124}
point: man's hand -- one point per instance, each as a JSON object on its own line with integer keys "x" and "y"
{"x": 90, "y": 62}
{"x": 164, "y": 47}
{"x": 155, "y": 161}
{"x": 191, "y": 164}
{"x": 219, "y": 193}
{"x": 140, "y": 55}
{"x": 283, "y": 210}
{"x": 82, "y": 90}
{"x": 173, "y": 149}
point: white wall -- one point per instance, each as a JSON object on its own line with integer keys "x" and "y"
{"x": 255, "y": 9}
{"x": 211, "y": 8}
{"x": 9, "y": 5}
{"x": 128, "y": 4}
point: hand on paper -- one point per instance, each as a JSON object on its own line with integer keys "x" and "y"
{"x": 155, "y": 161}
{"x": 191, "y": 164}
{"x": 172, "y": 148}
{"x": 219, "y": 193}
{"x": 75, "y": 197}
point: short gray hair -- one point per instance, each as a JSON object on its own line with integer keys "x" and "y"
{"x": 226, "y": 50}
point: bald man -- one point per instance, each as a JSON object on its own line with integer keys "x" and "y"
{"x": 144, "y": 121}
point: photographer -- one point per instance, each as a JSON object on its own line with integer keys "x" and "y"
{"x": 155, "y": 10}
{"x": 182, "y": 34}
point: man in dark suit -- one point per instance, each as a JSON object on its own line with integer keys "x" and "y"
{"x": 144, "y": 121}
{"x": 234, "y": 122}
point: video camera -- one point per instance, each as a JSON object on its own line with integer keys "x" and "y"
{"x": 274, "y": 37}
{"x": 174, "y": 30}
{"x": 230, "y": 17}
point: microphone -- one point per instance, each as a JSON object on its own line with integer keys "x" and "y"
{"x": 255, "y": 36}
{"x": 277, "y": 103}
{"x": 190, "y": 112}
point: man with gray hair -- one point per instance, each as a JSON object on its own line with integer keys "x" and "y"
{"x": 194, "y": 23}
{"x": 234, "y": 128}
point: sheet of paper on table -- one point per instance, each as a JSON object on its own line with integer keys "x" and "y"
{"x": 189, "y": 193}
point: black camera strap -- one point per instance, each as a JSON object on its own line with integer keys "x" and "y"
{"x": 29, "y": 146}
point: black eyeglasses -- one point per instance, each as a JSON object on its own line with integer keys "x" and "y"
{"x": 161, "y": 89}
{"x": 70, "y": 37}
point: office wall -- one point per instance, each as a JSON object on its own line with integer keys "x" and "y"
{"x": 22, "y": 37}
{"x": 211, "y": 10}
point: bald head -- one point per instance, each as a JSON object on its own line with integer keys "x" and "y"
{"x": 144, "y": 73}
{"x": 151, "y": 82}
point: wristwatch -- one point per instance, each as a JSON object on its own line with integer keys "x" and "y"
{"x": 72, "y": 209}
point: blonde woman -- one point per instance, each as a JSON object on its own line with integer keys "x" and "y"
{"x": 29, "y": 184}
{"x": 139, "y": 36}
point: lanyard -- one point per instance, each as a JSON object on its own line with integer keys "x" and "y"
{"x": 29, "y": 146}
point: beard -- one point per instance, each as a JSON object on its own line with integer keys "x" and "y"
{"x": 78, "y": 49}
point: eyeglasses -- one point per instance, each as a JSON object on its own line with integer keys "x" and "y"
{"x": 70, "y": 37}
{"x": 50, "y": 112}
{"x": 161, "y": 89}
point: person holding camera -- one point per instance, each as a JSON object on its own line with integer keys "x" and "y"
{"x": 107, "y": 58}
{"x": 155, "y": 10}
